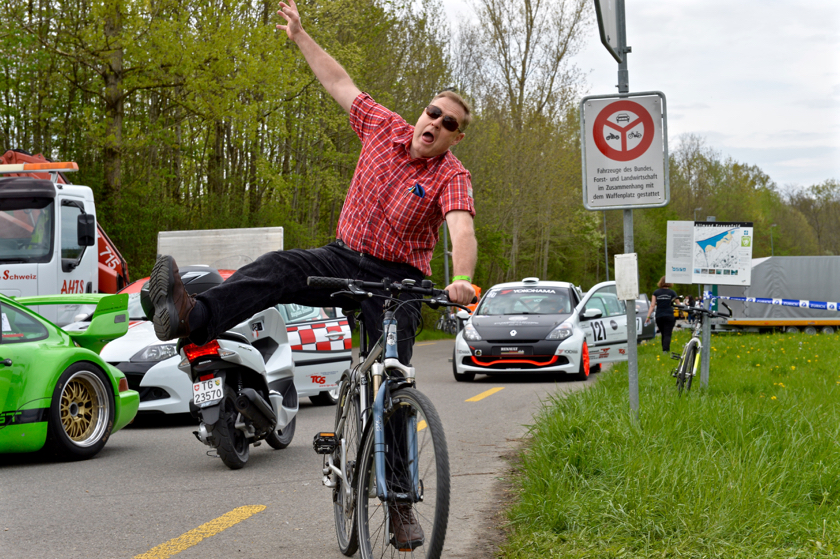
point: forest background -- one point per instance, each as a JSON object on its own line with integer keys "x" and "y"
{"x": 199, "y": 114}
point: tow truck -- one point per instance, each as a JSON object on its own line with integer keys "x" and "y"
{"x": 50, "y": 239}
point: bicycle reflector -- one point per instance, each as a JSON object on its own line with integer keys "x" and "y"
{"x": 195, "y": 352}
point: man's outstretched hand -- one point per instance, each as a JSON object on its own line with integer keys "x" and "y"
{"x": 292, "y": 16}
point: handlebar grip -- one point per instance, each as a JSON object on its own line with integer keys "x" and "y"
{"x": 329, "y": 283}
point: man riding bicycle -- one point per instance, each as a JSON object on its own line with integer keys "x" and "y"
{"x": 405, "y": 185}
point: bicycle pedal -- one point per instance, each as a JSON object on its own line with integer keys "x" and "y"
{"x": 675, "y": 356}
{"x": 325, "y": 443}
{"x": 406, "y": 547}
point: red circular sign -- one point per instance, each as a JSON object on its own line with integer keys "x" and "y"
{"x": 622, "y": 128}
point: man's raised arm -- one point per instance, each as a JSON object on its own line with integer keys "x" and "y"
{"x": 329, "y": 72}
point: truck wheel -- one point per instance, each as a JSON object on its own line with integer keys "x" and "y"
{"x": 81, "y": 414}
{"x": 827, "y": 330}
{"x": 810, "y": 330}
{"x": 792, "y": 330}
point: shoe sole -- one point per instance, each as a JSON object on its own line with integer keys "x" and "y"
{"x": 161, "y": 283}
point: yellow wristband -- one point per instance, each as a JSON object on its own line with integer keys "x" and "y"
{"x": 465, "y": 278}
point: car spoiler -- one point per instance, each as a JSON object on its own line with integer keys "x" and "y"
{"x": 108, "y": 322}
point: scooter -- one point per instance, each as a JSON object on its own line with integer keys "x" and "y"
{"x": 243, "y": 388}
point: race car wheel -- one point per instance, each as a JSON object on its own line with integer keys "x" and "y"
{"x": 81, "y": 414}
{"x": 460, "y": 377}
{"x": 326, "y": 398}
{"x": 583, "y": 370}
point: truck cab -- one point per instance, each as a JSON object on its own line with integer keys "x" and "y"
{"x": 48, "y": 236}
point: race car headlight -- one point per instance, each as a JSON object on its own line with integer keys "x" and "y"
{"x": 470, "y": 333}
{"x": 155, "y": 352}
{"x": 560, "y": 333}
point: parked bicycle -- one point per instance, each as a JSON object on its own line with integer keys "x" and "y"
{"x": 386, "y": 461}
{"x": 689, "y": 360}
{"x": 447, "y": 322}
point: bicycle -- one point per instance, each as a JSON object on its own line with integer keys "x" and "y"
{"x": 378, "y": 481}
{"x": 447, "y": 322}
{"x": 689, "y": 360}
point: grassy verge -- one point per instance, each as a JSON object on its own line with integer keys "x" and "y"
{"x": 749, "y": 467}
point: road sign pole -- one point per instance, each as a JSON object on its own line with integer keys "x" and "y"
{"x": 706, "y": 334}
{"x": 632, "y": 353}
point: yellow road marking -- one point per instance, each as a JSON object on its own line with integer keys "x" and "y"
{"x": 425, "y": 343}
{"x": 194, "y": 536}
{"x": 484, "y": 394}
{"x": 421, "y": 425}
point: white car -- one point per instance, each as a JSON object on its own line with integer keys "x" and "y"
{"x": 535, "y": 326}
{"x": 320, "y": 340}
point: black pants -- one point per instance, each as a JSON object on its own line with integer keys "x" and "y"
{"x": 666, "y": 328}
{"x": 280, "y": 277}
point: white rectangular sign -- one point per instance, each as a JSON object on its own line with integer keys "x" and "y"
{"x": 709, "y": 252}
{"x": 627, "y": 276}
{"x": 624, "y": 152}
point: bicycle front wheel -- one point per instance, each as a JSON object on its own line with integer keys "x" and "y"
{"x": 694, "y": 366}
{"x": 686, "y": 367}
{"x": 406, "y": 529}
{"x": 344, "y": 505}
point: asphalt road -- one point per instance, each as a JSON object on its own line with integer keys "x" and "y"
{"x": 153, "y": 492}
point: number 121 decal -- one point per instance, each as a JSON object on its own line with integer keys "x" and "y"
{"x": 599, "y": 331}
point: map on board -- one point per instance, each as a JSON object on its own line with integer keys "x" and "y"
{"x": 722, "y": 253}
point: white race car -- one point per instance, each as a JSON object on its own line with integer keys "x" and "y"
{"x": 535, "y": 326}
{"x": 320, "y": 340}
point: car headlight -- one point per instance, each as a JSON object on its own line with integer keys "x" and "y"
{"x": 470, "y": 333}
{"x": 155, "y": 352}
{"x": 561, "y": 333}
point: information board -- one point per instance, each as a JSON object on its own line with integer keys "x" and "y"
{"x": 709, "y": 252}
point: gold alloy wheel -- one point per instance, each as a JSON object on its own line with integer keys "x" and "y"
{"x": 84, "y": 408}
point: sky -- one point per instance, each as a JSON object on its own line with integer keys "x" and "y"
{"x": 758, "y": 80}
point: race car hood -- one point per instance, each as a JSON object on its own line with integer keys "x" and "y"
{"x": 140, "y": 334}
{"x": 527, "y": 326}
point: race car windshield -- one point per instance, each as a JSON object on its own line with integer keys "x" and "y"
{"x": 526, "y": 300}
{"x": 26, "y": 230}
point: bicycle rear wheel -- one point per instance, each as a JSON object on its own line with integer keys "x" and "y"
{"x": 344, "y": 508}
{"x": 412, "y": 413}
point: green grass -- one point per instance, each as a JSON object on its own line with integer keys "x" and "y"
{"x": 749, "y": 467}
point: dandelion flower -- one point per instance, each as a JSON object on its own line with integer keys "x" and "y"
{"x": 772, "y": 397}
{"x": 793, "y": 367}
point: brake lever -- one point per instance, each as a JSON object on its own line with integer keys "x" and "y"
{"x": 354, "y": 292}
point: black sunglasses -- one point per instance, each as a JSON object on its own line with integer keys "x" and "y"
{"x": 449, "y": 122}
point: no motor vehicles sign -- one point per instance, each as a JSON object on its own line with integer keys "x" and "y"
{"x": 624, "y": 151}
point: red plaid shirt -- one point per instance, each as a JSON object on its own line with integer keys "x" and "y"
{"x": 396, "y": 204}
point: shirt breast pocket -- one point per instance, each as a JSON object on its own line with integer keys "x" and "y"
{"x": 411, "y": 210}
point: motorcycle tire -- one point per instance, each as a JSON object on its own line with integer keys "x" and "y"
{"x": 278, "y": 439}
{"x": 234, "y": 449}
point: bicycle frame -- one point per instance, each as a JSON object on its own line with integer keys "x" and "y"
{"x": 375, "y": 366}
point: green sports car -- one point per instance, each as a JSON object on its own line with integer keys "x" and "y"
{"x": 56, "y": 392}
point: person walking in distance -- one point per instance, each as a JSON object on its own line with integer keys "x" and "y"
{"x": 406, "y": 183}
{"x": 665, "y": 319}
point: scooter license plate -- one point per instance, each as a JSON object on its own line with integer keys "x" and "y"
{"x": 206, "y": 392}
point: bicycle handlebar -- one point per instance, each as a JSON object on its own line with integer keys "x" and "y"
{"x": 358, "y": 288}
{"x": 709, "y": 312}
